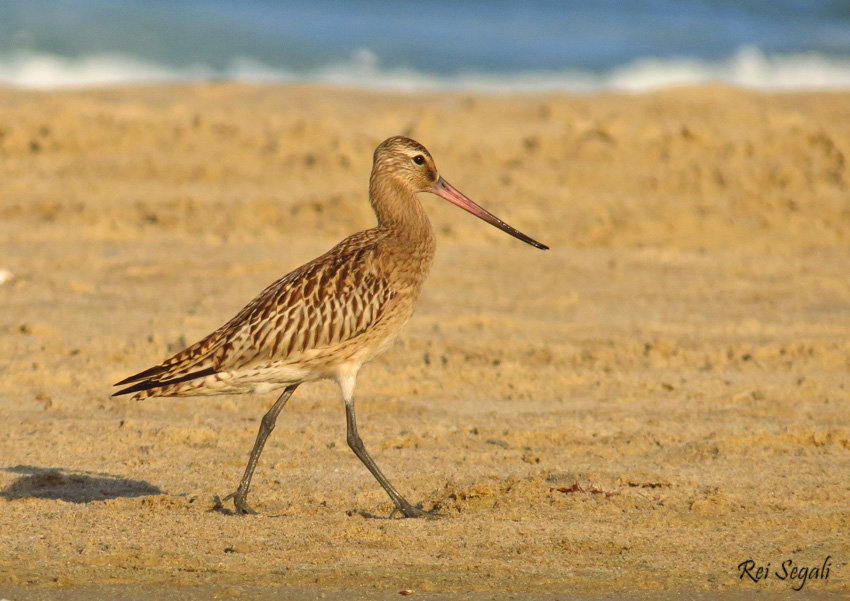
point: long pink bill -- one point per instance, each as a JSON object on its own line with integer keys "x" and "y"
{"x": 444, "y": 189}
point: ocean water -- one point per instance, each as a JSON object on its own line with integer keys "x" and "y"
{"x": 497, "y": 45}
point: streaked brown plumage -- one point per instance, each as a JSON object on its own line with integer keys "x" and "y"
{"x": 329, "y": 316}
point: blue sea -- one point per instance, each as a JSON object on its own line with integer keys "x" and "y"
{"x": 495, "y": 45}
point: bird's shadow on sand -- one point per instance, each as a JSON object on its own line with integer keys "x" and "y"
{"x": 434, "y": 514}
{"x": 73, "y": 486}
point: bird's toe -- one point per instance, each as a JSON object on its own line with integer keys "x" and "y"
{"x": 240, "y": 503}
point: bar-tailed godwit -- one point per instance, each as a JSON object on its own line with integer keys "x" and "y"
{"x": 328, "y": 317}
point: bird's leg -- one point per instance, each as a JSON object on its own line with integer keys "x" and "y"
{"x": 266, "y": 426}
{"x": 356, "y": 445}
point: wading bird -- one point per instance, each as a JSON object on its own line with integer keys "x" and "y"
{"x": 327, "y": 318}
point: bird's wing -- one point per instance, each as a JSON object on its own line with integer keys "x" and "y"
{"x": 327, "y": 301}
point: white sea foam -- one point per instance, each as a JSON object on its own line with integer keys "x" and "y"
{"x": 749, "y": 67}
{"x": 38, "y": 70}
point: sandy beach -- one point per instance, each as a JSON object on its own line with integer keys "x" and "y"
{"x": 663, "y": 395}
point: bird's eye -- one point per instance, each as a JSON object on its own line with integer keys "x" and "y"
{"x": 419, "y": 159}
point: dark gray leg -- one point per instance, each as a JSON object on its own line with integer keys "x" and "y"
{"x": 266, "y": 426}
{"x": 356, "y": 445}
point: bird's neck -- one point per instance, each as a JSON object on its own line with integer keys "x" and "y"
{"x": 400, "y": 215}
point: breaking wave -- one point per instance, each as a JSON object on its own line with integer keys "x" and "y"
{"x": 748, "y": 67}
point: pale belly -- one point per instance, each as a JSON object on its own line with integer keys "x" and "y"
{"x": 309, "y": 366}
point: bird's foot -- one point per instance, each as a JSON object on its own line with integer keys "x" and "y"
{"x": 241, "y": 503}
{"x": 411, "y": 511}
